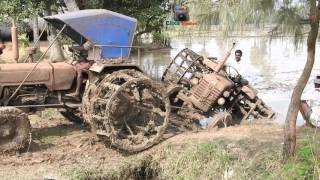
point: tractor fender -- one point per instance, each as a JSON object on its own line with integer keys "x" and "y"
{"x": 249, "y": 91}
{"x": 100, "y": 68}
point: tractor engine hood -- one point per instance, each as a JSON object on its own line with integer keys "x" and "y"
{"x": 100, "y": 27}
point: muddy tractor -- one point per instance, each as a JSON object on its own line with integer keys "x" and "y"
{"x": 124, "y": 108}
{"x": 210, "y": 93}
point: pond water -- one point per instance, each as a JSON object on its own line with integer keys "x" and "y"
{"x": 271, "y": 66}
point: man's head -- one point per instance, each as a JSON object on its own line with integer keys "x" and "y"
{"x": 238, "y": 55}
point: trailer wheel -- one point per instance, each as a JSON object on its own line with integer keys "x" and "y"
{"x": 14, "y": 129}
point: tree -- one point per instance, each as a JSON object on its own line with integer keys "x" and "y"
{"x": 289, "y": 18}
{"x": 71, "y": 5}
{"x": 17, "y": 10}
{"x": 290, "y": 124}
{"x": 149, "y": 14}
{"x": 35, "y": 29}
{"x": 56, "y": 53}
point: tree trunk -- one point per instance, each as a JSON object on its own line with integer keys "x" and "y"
{"x": 35, "y": 30}
{"x": 71, "y": 5}
{"x": 290, "y": 124}
{"x": 14, "y": 38}
{"x": 56, "y": 53}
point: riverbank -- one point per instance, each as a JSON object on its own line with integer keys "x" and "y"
{"x": 63, "y": 150}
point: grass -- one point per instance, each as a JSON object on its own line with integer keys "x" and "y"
{"x": 248, "y": 158}
{"x": 83, "y": 173}
{"x": 244, "y": 159}
{"x": 55, "y": 129}
{"x": 51, "y": 113}
{"x": 214, "y": 160}
{"x": 134, "y": 167}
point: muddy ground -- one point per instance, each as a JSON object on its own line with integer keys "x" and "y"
{"x": 60, "y": 147}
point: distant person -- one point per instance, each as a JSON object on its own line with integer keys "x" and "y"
{"x": 310, "y": 109}
{"x": 238, "y": 55}
{"x": 238, "y": 77}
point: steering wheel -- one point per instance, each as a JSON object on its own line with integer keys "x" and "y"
{"x": 232, "y": 72}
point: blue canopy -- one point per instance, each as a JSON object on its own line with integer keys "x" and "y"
{"x": 100, "y": 27}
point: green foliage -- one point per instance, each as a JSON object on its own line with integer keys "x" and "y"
{"x": 200, "y": 161}
{"x": 234, "y": 15}
{"x": 149, "y": 14}
{"x": 19, "y": 9}
{"x": 161, "y": 39}
{"x": 23, "y": 40}
{"x": 305, "y": 165}
{"x": 244, "y": 159}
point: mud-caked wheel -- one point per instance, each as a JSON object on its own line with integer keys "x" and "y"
{"x": 14, "y": 129}
{"x": 86, "y": 102}
{"x": 220, "y": 119}
{"x": 255, "y": 107}
{"x": 129, "y": 111}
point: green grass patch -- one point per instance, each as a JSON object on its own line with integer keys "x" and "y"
{"x": 83, "y": 174}
{"x": 223, "y": 158}
{"x": 133, "y": 167}
{"x": 244, "y": 159}
{"x": 51, "y": 113}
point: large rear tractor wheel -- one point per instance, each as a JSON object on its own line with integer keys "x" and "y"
{"x": 128, "y": 110}
{"x": 14, "y": 129}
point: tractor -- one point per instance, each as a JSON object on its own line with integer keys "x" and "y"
{"x": 209, "y": 93}
{"x": 124, "y": 108}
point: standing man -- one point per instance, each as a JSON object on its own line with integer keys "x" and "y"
{"x": 310, "y": 109}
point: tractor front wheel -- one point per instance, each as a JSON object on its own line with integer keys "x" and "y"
{"x": 14, "y": 129}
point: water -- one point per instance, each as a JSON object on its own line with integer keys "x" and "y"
{"x": 271, "y": 66}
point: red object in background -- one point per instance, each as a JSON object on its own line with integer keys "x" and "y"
{"x": 188, "y": 23}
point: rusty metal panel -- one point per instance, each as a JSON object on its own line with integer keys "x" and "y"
{"x": 14, "y": 73}
{"x": 249, "y": 91}
{"x": 63, "y": 76}
{"x": 56, "y": 76}
{"x": 209, "y": 89}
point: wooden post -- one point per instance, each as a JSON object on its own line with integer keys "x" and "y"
{"x": 14, "y": 38}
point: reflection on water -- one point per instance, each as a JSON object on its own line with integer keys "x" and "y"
{"x": 271, "y": 66}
